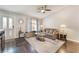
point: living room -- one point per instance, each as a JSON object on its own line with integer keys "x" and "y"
{"x": 39, "y": 28}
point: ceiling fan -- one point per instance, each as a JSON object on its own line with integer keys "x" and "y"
{"x": 43, "y": 9}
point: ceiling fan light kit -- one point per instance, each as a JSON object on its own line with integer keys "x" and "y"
{"x": 44, "y": 8}
{"x": 43, "y": 11}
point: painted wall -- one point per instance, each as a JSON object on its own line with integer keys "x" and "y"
{"x": 25, "y": 26}
{"x": 69, "y": 17}
{"x": 16, "y": 17}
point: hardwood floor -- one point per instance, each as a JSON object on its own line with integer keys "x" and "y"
{"x": 22, "y": 46}
{"x": 71, "y": 47}
{"x": 18, "y": 46}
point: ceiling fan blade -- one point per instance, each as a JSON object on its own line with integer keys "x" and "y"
{"x": 48, "y": 10}
{"x": 45, "y": 6}
{"x": 43, "y": 9}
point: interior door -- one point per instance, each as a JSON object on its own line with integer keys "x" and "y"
{"x": 8, "y": 27}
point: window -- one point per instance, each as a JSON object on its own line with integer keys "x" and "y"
{"x": 7, "y": 22}
{"x": 10, "y": 23}
{"x": 4, "y": 22}
{"x": 34, "y": 25}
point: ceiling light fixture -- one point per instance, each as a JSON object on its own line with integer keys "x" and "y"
{"x": 43, "y": 11}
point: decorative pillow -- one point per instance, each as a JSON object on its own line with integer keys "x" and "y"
{"x": 51, "y": 31}
{"x": 29, "y": 34}
{"x": 47, "y": 31}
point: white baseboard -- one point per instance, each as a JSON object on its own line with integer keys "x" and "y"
{"x": 74, "y": 40}
{"x": 10, "y": 39}
{"x": 7, "y": 40}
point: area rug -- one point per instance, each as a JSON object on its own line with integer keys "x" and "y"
{"x": 48, "y": 46}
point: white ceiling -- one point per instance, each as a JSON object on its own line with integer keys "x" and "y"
{"x": 32, "y": 10}
{"x": 69, "y": 14}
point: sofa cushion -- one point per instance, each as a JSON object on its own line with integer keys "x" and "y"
{"x": 29, "y": 34}
{"x": 51, "y": 33}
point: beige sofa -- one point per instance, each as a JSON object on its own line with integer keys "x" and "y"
{"x": 51, "y": 33}
{"x": 54, "y": 34}
{"x": 29, "y": 34}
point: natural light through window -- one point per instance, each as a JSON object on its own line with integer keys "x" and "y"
{"x": 34, "y": 25}
{"x": 4, "y": 22}
{"x": 10, "y": 23}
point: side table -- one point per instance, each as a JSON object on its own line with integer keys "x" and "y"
{"x": 21, "y": 34}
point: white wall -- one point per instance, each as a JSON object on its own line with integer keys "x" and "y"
{"x": 16, "y": 17}
{"x": 69, "y": 17}
{"x": 25, "y": 27}
{"x": 17, "y": 25}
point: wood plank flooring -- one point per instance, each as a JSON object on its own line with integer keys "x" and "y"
{"x": 20, "y": 45}
{"x": 71, "y": 47}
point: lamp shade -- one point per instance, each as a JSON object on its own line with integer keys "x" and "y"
{"x": 63, "y": 26}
